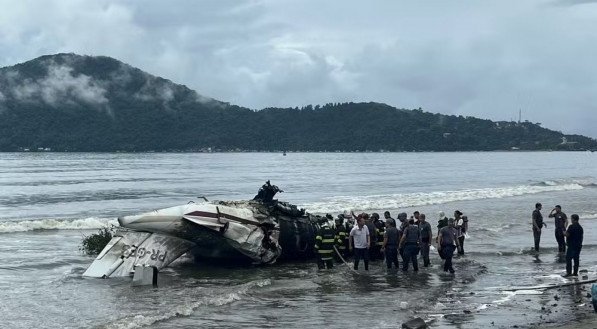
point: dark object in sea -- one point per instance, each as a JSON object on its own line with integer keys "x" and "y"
{"x": 416, "y": 323}
{"x": 94, "y": 243}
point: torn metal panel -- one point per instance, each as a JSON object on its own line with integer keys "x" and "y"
{"x": 129, "y": 249}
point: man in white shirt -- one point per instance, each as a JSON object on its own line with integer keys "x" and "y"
{"x": 360, "y": 243}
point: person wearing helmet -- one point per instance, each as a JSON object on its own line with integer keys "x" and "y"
{"x": 324, "y": 244}
{"x": 341, "y": 236}
{"x": 379, "y": 231}
{"x": 349, "y": 221}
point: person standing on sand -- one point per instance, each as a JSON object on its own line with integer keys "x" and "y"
{"x": 574, "y": 236}
{"x": 561, "y": 222}
{"x": 537, "y": 224}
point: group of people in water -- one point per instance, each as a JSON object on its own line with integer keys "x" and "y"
{"x": 566, "y": 235}
{"x": 367, "y": 237}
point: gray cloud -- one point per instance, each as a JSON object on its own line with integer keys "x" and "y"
{"x": 486, "y": 58}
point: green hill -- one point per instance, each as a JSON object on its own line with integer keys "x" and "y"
{"x": 67, "y": 102}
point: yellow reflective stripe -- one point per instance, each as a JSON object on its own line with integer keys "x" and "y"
{"x": 325, "y": 251}
{"x": 328, "y": 240}
{"x": 318, "y": 237}
{"x": 326, "y": 258}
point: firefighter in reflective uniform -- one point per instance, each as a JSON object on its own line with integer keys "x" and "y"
{"x": 380, "y": 229}
{"x": 348, "y": 225}
{"x": 341, "y": 236}
{"x": 324, "y": 245}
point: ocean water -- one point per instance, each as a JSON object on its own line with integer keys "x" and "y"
{"x": 50, "y": 201}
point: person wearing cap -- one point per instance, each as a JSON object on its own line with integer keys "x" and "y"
{"x": 574, "y": 237}
{"x": 560, "y": 222}
{"x": 360, "y": 243}
{"x": 447, "y": 243}
{"x": 324, "y": 245}
{"x": 390, "y": 243}
{"x": 538, "y": 224}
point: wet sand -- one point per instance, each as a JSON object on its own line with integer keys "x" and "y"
{"x": 567, "y": 307}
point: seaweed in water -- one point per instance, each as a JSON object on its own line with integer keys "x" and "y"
{"x": 95, "y": 243}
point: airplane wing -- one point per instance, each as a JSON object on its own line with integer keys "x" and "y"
{"x": 128, "y": 249}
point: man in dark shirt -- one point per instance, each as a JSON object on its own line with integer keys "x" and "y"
{"x": 390, "y": 243}
{"x": 387, "y": 215}
{"x": 537, "y": 225}
{"x": 410, "y": 242}
{"x": 447, "y": 244}
{"x": 426, "y": 235}
{"x": 561, "y": 222}
{"x": 574, "y": 236}
{"x": 402, "y": 224}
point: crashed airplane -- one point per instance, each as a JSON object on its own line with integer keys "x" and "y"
{"x": 259, "y": 231}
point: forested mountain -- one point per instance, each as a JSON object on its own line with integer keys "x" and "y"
{"x": 68, "y": 102}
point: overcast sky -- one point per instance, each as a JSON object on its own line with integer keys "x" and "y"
{"x": 481, "y": 58}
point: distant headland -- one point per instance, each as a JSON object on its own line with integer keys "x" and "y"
{"x": 73, "y": 103}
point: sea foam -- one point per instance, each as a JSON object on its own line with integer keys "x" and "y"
{"x": 56, "y": 224}
{"x": 396, "y": 201}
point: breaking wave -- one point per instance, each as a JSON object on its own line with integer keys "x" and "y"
{"x": 186, "y": 309}
{"x": 582, "y": 181}
{"x": 56, "y": 224}
{"x": 396, "y": 201}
